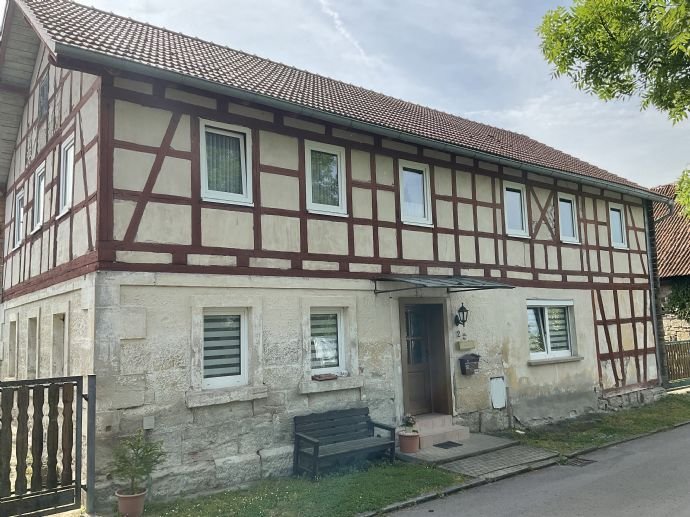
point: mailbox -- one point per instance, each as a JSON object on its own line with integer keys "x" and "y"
{"x": 469, "y": 363}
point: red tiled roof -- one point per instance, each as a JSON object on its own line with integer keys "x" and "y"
{"x": 90, "y": 29}
{"x": 672, "y": 236}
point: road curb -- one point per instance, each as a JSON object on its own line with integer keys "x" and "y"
{"x": 454, "y": 489}
{"x": 589, "y": 450}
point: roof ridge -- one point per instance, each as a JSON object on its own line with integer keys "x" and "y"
{"x": 160, "y": 47}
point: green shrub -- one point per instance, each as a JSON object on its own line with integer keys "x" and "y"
{"x": 135, "y": 458}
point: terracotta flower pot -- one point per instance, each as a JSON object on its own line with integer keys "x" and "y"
{"x": 409, "y": 441}
{"x": 130, "y": 505}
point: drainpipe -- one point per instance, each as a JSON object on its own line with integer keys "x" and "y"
{"x": 650, "y": 237}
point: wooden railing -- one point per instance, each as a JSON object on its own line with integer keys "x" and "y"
{"x": 41, "y": 445}
{"x": 678, "y": 360}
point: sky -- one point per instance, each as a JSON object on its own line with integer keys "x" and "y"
{"x": 477, "y": 59}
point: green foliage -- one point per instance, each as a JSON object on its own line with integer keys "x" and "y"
{"x": 599, "y": 429}
{"x": 135, "y": 458}
{"x": 683, "y": 192}
{"x": 336, "y": 495}
{"x": 678, "y": 301}
{"x": 620, "y": 48}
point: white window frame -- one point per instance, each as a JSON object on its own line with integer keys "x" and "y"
{"x": 417, "y": 221}
{"x": 342, "y": 359}
{"x": 548, "y": 354}
{"x": 245, "y": 136}
{"x": 229, "y": 381}
{"x": 573, "y": 203}
{"x": 341, "y": 209}
{"x": 66, "y": 179}
{"x": 39, "y": 193}
{"x": 624, "y": 227}
{"x": 19, "y": 218}
{"x": 524, "y": 233}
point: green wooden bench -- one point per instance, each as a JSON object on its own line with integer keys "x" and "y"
{"x": 336, "y": 434}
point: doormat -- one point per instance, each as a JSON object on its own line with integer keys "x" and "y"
{"x": 578, "y": 462}
{"x": 448, "y": 445}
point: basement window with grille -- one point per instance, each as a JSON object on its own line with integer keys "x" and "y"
{"x": 225, "y": 348}
{"x": 549, "y": 329}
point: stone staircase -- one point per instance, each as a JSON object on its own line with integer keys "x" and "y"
{"x": 438, "y": 428}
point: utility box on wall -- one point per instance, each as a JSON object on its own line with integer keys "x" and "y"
{"x": 469, "y": 363}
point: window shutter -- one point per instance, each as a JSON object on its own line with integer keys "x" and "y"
{"x": 222, "y": 345}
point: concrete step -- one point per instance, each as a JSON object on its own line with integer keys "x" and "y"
{"x": 452, "y": 433}
{"x": 433, "y": 421}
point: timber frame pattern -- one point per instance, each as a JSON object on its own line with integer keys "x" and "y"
{"x": 466, "y": 238}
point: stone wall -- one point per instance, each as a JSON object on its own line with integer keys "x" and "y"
{"x": 145, "y": 361}
{"x": 675, "y": 329}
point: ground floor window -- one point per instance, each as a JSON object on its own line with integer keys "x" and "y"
{"x": 225, "y": 348}
{"x": 549, "y": 329}
{"x": 327, "y": 340}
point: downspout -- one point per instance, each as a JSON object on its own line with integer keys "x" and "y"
{"x": 650, "y": 237}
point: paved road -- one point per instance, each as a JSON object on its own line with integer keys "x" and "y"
{"x": 645, "y": 477}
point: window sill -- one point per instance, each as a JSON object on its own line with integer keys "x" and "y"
{"x": 211, "y": 199}
{"x": 423, "y": 224}
{"x": 341, "y": 383}
{"x": 518, "y": 235}
{"x": 213, "y": 397}
{"x": 36, "y": 229}
{"x": 555, "y": 360}
{"x": 619, "y": 246}
{"x": 62, "y": 214}
{"x": 327, "y": 212}
{"x": 17, "y": 246}
{"x": 570, "y": 241}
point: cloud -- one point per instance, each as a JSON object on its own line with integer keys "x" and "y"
{"x": 340, "y": 27}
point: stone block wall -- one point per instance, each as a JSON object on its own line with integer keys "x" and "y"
{"x": 675, "y": 329}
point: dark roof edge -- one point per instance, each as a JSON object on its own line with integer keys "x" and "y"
{"x": 143, "y": 69}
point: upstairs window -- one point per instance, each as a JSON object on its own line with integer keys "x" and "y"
{"x": 43, "y": 93}
{"x": 567, "y": 218}
{"x": 66, "y": 175}
{"x": 225, "y": 348}
{"x": 327, "y": 340}
{"x": 325, "y": 166}
{"x": 19, "y": 218}
{"x": 226, "y": 163}
{"x": 39, "y": 196}
{"x": 549, "y": 329}
{"x": 617, "y": 221}
{"x": 515, "y": 208}
{"x": 415, "y": 193}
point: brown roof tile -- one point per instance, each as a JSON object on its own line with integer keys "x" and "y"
{"x": 672, "y": 237}
{"x": 90, "y": 29}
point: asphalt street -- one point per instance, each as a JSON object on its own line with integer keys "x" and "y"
{"x": 645, "y": 477}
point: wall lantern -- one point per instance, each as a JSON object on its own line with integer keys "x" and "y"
{"x": 461, "y": 316}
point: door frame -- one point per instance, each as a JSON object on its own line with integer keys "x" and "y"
{"x": 446, "y": 352}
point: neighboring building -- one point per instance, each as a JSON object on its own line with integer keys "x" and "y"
{"x": 673, "y": 251}
{"x": 205, "y": 230}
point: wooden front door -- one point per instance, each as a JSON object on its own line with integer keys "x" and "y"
{"x": 416, "y": 361}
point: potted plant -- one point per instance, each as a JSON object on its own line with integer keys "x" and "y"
{"x": 135, "y": 458}
{"x": 409, "y": 436}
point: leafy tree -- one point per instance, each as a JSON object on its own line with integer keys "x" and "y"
{"x": 623, "y": 48}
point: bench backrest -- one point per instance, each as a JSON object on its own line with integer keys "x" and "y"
{"x": 336, "y": 426}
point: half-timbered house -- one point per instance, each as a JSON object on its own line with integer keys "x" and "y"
{"x": 211, "y": 233}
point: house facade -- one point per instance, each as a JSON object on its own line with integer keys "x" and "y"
{"x": 210, "y": 241}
